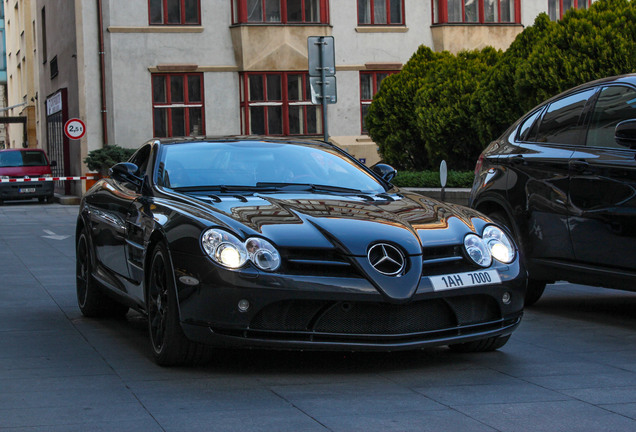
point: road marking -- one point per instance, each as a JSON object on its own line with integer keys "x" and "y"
{"x": 51, "y": 235}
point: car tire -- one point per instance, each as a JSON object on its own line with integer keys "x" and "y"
{"x": 170, "y": 346}
{"x": 481, "y": 345}
{"x": 534, "y": 287}
{"x": 91, "y": 299}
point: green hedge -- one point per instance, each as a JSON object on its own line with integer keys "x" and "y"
{"x": 455, "y": 179}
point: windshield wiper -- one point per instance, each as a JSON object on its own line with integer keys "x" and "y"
{"x": 308, "y": 186}
{"x": 223, "y": 188}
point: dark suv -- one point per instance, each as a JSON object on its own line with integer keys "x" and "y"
{"x": 563, "y": 180}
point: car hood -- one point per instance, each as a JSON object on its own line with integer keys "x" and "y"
{"x": 352, "y": 224}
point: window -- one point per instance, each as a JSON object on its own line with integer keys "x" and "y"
{"x": 476, "y": 11}
{"x": 177, "y": 104}
{"x": 561, "y": 123}
{"x": 380, "y": 12}
{"x": 53, "y": 67}
{"x": 369, "y": 85}
{"x": 278, "y": 104}
{"x": 279, "y": 11}
{"x": 556, "y": 8}
{"x": 174, "y": 12}
{"x": 43, "y": 23}
{"x": 614, "y": 105}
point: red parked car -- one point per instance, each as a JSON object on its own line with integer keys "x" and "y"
{"x": 22, "y": 163}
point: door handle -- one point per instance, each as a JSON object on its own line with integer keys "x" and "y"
{"x": 578, "y": 165}
{"x": 517, "y": 160}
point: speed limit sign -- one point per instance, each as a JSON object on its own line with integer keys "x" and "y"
{"x": 74, "y": 129}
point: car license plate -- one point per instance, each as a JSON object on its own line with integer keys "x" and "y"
{"x": 26, "y": 190}
{"x": 462, "y": 280}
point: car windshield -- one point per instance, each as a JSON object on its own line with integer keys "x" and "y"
{"x": 22, "y": 158}
{"x": 264, "y": 165}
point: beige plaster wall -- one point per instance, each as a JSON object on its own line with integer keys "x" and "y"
{"x": 455, "y": 38}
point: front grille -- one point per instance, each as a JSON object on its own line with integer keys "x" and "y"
{"x": 317, "y": 262}
{"x": 444, "y": 260}
{"x": 368, "y": 318}
{"x": 362, "y": 318}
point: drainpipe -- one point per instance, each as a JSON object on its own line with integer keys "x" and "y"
{"x": 102, "y": 72}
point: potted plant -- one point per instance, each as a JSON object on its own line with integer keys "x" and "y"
{"x": 100, "y": 160}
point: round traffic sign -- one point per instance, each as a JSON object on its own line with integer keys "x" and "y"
{"x": 74, "y": 129}
{"x": 443, "y": 173}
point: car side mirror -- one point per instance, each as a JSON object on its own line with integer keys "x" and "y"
{"x": 53, "y": 164}
{"x": 386, "y": 172}
{"x": 625, "y": 133}
{"x": 125, "y": 172}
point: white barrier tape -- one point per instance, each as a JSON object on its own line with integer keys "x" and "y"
{"x": 39, "y": 179}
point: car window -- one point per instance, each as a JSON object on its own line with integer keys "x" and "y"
{"x": 140, "y": 158}
{"x": 526, "y": 131}
{"x": 562, "y": 123}
{"x": 614, "y": 104}
{"x": 247, "y": 164}
{"x": 22, "y": 158}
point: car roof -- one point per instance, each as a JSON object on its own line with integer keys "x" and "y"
{"x": 20, "y": 150}
{"x": 242, "y": 138}
{"x": 619, "y": 79}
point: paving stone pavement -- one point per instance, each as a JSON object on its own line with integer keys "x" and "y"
{"x": 571, "y": 366}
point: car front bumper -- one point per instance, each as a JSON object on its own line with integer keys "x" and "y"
{"x": 26, "y": 190}
{"x": 255, "y": 309}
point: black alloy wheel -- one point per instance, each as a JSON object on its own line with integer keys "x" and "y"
{"x": 169, "y": 345}
{"x": 91, "y": 299}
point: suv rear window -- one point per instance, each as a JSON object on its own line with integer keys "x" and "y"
{"x": 22, "y": 158}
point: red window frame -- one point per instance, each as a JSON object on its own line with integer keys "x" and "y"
{"x": 366, "y": 102}
{"x": 388, "y": 14}
{"x": 576, "y": 4}
{"x": 284, "y": 103}
{"x": 165, "y": 18}
{"x": 240, "y": 15}
{"x": 170, "y": 105}
{"x": 440, "y": 13}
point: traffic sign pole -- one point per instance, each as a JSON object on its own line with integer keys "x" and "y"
{"x": 323, "y": 77}
{"x": 322, "y": 66}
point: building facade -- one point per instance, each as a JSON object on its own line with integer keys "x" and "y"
{"x": 156, "y": 68}
{"x": 21, "y": 65}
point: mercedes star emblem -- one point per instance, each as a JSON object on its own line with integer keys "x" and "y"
{"x": 386, "y": 259}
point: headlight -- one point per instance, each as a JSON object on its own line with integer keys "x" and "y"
{"x": 229, "y": 251}
{"x": 477, "y": 250}
{"x": 499, "y": 244}
{"x": 224, "y": 248}
{"x": 4, "y": 177}
{"x": 263, "y": 254}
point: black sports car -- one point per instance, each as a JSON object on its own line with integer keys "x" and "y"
{"x": 289, "y": 244}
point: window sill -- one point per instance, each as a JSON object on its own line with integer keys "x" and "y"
{"x": 156, "y": 29}
{"x": 382, "y": 29}
{"x": 477, "y": 24}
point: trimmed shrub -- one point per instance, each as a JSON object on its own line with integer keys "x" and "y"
{"x": 102, "y": 159}
{"x": 418, "y": 112}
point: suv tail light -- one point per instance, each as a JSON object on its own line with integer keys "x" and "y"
{"x": 479, "y": 163}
